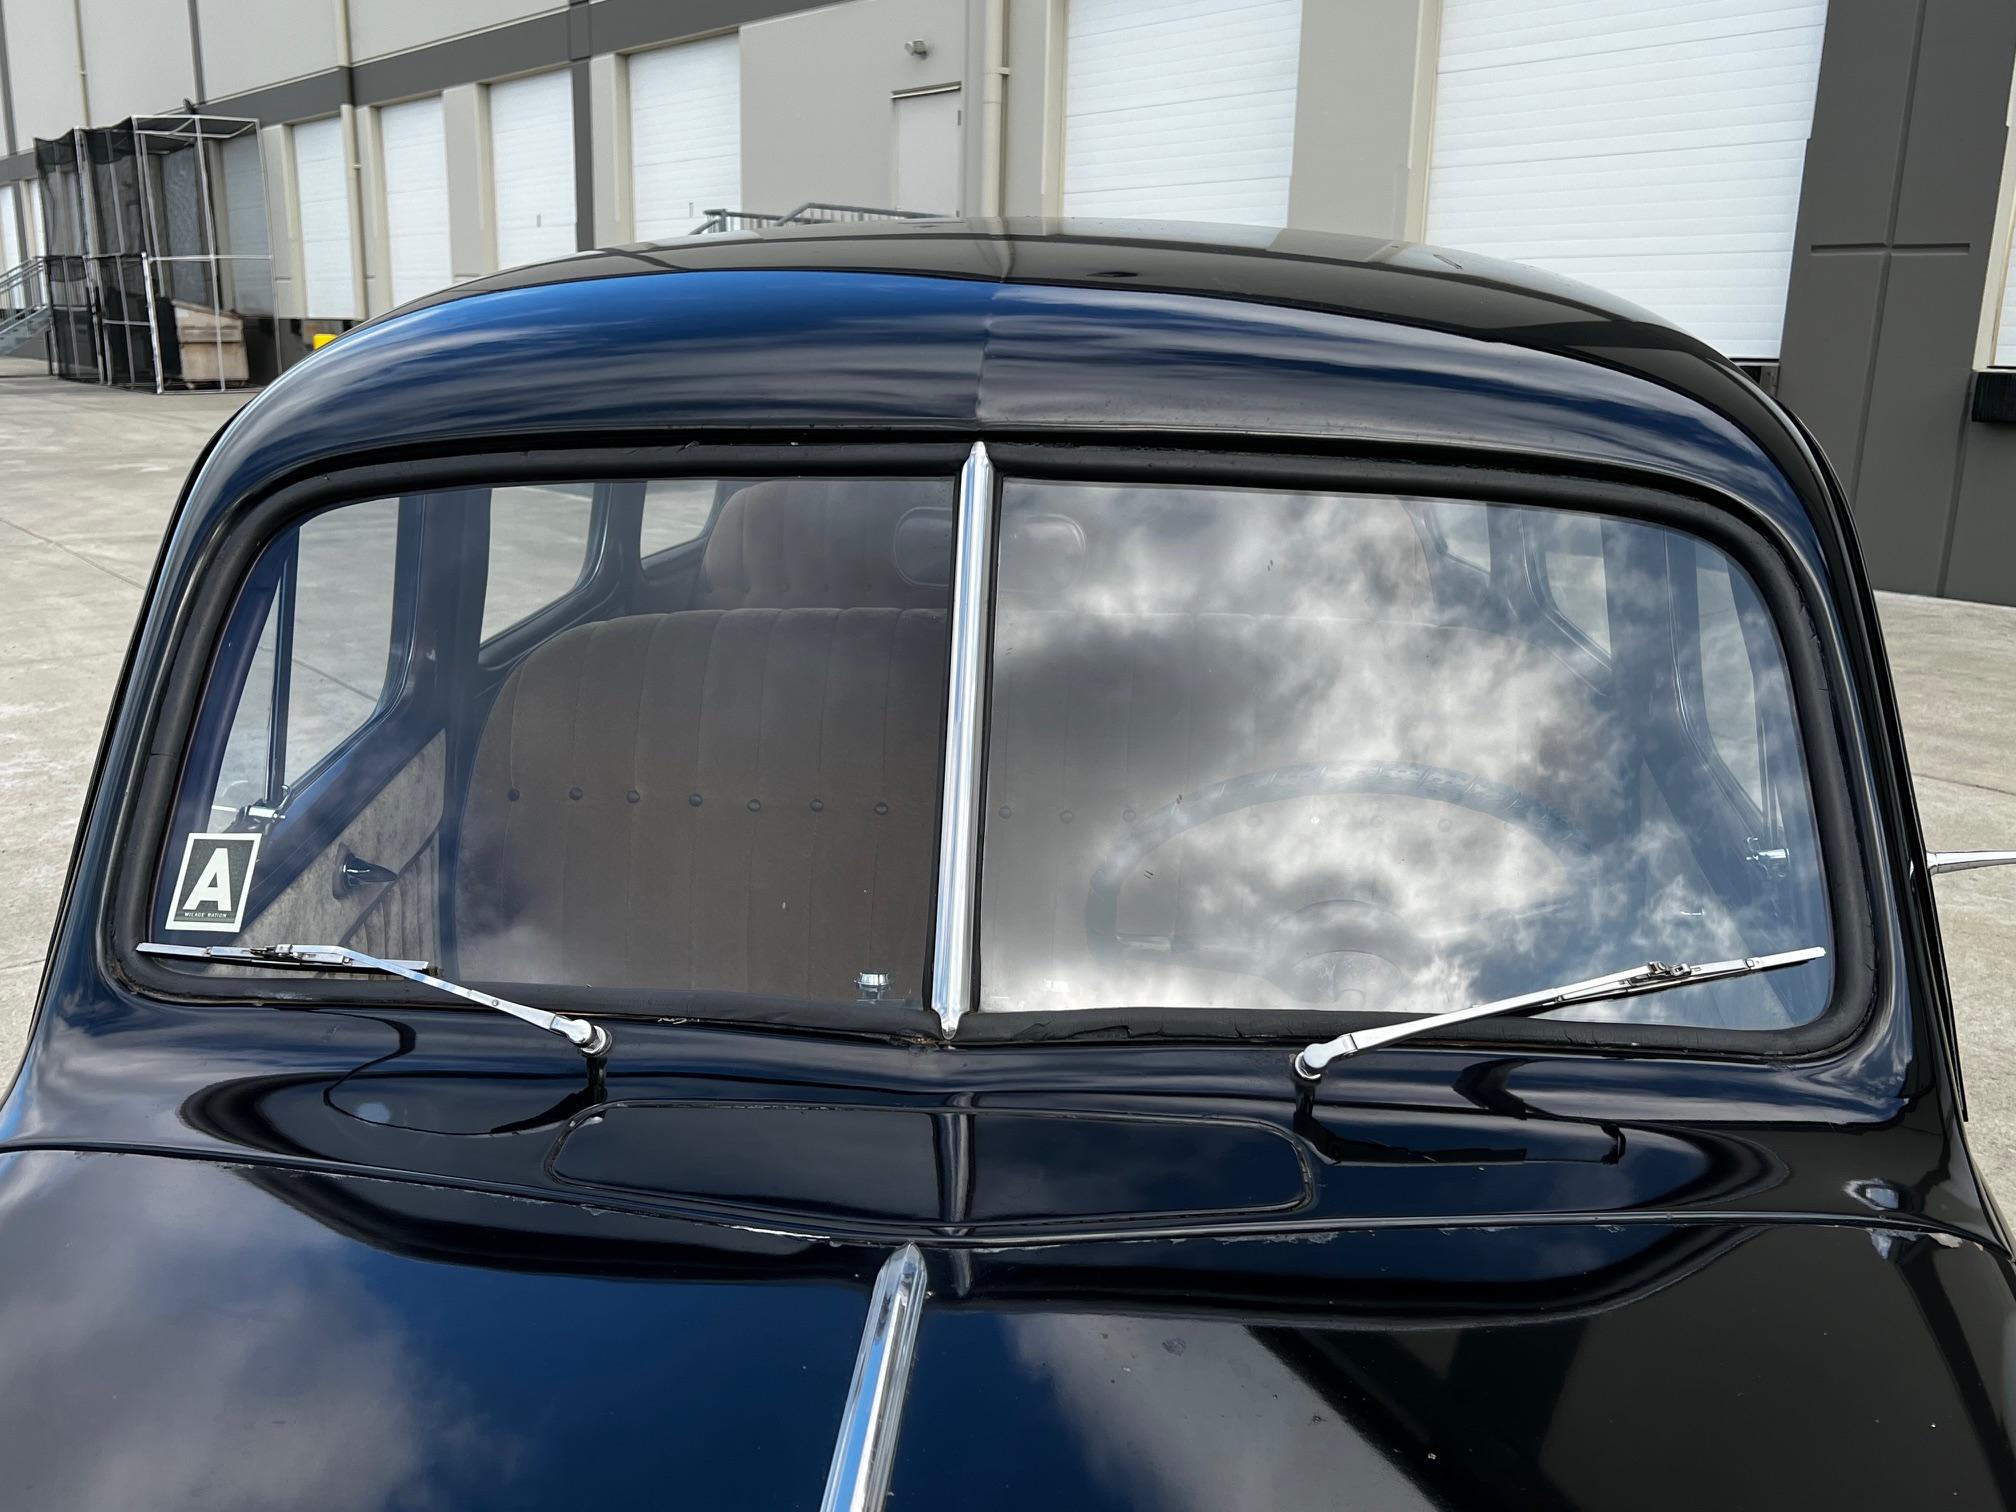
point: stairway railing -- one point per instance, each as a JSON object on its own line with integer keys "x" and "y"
{"x": 812, "y": 212}
{"x": 24, "y": 304}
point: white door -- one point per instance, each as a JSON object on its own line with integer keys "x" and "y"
{"x": 1653, "y": 150}
{"x": 685, "y": 135}
{"x": 321, "y": 184}
{"x": 1181, "y": 109}
{"x": 927, "y": 152}
{"x": 10, "y": 237}
{"x": 416, "y": 197}
{"x": 532, "y": 167}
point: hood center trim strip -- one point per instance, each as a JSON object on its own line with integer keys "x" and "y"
{"x": 865, "y": 1451}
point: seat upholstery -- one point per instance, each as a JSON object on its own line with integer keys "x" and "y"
{"x": 738, "y": 800}
{"x": 803, "y": 543}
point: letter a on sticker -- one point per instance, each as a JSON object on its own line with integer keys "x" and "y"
{"x": 213, "y": 883}
{"x": 213, "y": 888}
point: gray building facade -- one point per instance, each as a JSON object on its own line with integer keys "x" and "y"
{"x": 1823, "y": 188}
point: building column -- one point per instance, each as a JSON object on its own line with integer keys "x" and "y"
{"x": 1364, "y": 92}
{"x": 1889, "y": 275}
{"x": 609, "y": 117}
{"x": 465, "y": 129}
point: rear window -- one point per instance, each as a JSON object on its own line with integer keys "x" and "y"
{"x": 1262, "y": 749}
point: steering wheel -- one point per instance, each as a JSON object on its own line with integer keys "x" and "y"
{"x": 1313, "y": 954}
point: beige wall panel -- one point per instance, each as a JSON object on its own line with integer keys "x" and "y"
{"x": 136, "y": 57}
{"x": 42, "y": 66}
{"x": 248, "y": 44}
{"x": 817, "y": 118}
{"x": 378, "y": 27}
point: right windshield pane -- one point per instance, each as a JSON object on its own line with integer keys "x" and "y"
{"x": 1257, "y": 749}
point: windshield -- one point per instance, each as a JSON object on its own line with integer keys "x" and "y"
{"x": 1265, "y": 749}
{"x": 680, "y": 742}
{"x": 662, "y": 737}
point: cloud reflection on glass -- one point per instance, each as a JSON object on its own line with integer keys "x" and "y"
{"x": 1261, "y": 749}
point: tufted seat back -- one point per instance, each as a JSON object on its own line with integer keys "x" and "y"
{"x": 797, "y": 542}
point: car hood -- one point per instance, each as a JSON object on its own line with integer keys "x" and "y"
{"x": 184, "y": 1332}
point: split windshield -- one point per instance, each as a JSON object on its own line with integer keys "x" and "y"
{"x": 626, "y": 744}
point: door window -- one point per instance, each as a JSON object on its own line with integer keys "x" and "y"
{"x": 676, "y": 513}
{"x": 539, "y": 550}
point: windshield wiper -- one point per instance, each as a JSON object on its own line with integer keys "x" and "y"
{"x": 1653, "y": 976}
{"x": 591, "y": 1039}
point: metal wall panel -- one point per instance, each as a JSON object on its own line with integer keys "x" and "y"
{"x": 322, "y": 185}
{"x": 532, "y": 167}
{"x": 1889, "y": 281}
{"x": 685, "y": 135}
{"x": 1181, "y": 109}
{"x": 416, "y": 197}
{"x": 1654, "y": 151}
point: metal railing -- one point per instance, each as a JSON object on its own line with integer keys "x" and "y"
{"x": 24, "y": 304}
{"x": 812, "y": 212}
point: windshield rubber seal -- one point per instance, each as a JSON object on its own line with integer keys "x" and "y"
{"x": 1747, "y": 535}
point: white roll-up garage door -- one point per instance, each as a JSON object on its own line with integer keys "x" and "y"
{"x": 1180, "y": 109}
{"x": 322, "y": 188}
{"x": 685, "y": 135}
{"x": 10, "y": 241}
{"x": 416, "y": 197}
{"x": 532, "y": 167}
{"x": 1651, "y": 148}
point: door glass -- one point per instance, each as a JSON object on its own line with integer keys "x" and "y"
{"x": 539, "y": 539}
{"x": 243, "y": 777}
{"x": 342, "y": 641}
{"x": 1572, "y": 574}
{"x": 676, "y": 512}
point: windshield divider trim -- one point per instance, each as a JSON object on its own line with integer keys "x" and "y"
{"x": 958, "y": 883}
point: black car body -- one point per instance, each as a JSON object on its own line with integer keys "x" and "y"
{"x": 933, "y": 697}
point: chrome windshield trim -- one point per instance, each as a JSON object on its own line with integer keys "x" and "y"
{"x": 865, "y": 1451}
{"x": 952, "y": 959}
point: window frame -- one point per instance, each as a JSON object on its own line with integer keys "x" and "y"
{"x": 1862, "y": 917}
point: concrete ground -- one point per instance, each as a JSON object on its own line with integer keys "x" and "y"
{"x": 91, "y": 474}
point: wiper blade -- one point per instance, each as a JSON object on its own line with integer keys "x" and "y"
{"x": 1652, "y": 976}
{"x": 591, "y": 1039}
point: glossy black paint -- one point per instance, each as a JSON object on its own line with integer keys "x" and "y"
{"x": 1574, "y": 1278}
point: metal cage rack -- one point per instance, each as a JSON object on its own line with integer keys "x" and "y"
{"x": 157, "y": 250}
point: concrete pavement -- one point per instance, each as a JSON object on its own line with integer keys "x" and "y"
{"x": 91, "y": 475}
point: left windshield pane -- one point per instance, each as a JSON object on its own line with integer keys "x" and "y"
{"x": 716, "y": 778}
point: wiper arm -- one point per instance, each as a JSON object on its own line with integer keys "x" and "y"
{"x": 1653, "y": 976}
{"x": 591, "y": 1039}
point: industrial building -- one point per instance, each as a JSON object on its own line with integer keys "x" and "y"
{"x": 1824, "y": 192}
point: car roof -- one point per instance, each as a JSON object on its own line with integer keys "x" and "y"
{"x": 1414, "y": 283}
{"x": 1112, "y": 329}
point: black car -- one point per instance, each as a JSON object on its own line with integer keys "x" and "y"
{"x": 1003, "y": 865}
